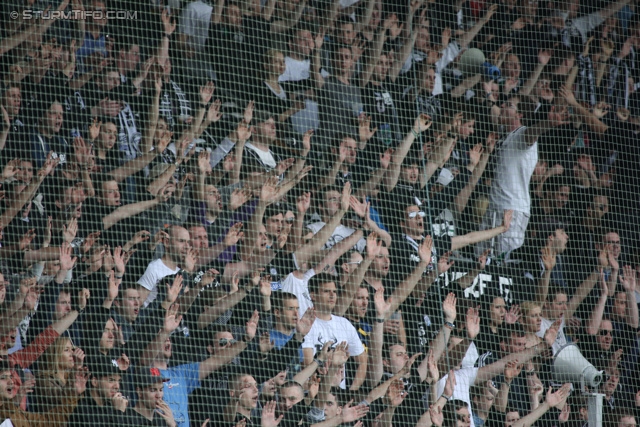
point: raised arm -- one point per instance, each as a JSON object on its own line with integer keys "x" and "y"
{"x": 404, "y": 289}
{"x": 467, "y": 37}
{"x": 595, "y": 318}
{"x": 374, "y": 54}
{"x": 421, "y": 124}
{"x": 133, "y": 209}
{"x": 628, "y": 281}
{"x": 355, "y": 278}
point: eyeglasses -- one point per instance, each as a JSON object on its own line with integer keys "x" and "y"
{"x": 224, "y": 341}
{"x": 616, "y": 243}
{"x": 415, "y": 214}
{"x": 289, "y": 220}
{"x": 353, "y": 262}
{"x": 605, "y": 332}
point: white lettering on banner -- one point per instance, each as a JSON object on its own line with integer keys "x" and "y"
{"x": 483, "y": 281}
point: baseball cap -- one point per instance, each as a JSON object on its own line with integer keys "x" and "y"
{"x": 102, "y": 366}
{"x": 148, "y": 376}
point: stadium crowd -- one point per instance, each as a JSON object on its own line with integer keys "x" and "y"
{"x": 318, "y": 212}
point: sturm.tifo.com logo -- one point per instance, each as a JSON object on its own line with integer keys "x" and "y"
{"x": 74, "y": 14}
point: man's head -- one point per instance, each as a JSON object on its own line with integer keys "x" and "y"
{"x": 512, "y": 338}
{"x": 108, "y": 134}
{"x": 232, "y": 16}
{"x": 611, "y": 242}
{"x": 150, "y": 395}
{"x": 456, "y": 414}
{"x": 285, "y": 309}
{"x": 605, "y": 335}
{"x": 412, "y": 222}
{"x": 381, "y": 69}
{"x": 619, "y": 309}
{"x": 349, "y": 262}
{"x": 332, "y": 407}
{"x": 511, "y": 416}
{"x": 346, "y": 33}
{"x": 322, "y": 288}
{"x": 556, "y": 303}
{"x": 178, "y": 245}
{"x": 410, "y": 168}
{"x": 482, "y": 397}
{"x": 274, "y": 221}
{"x": 52, "y": 117}
{"x": 128, "y": 302}
{"x": 128, "y": 55}
{"x": 511, "y": 113}
{"x": 495, "y": 310}
{"x": 221, "y": 338}
{"x": 109, "y": 79}
{"x": 265, "y": 130}
{"x": 213, "y": 199}
{"x": 63, "y": 304}
{"x": 349, "y": 145}
{"x": 68, "y": 199}
{"x": 342, "y": 59}
{"x": 198, "y": 236}
{"x": 290, "y": 394}
{"x": 244, "y": 388}
{"x": 301, "y": 43}
{"x": 108, "y": 339}
{"x": 597, "y": 209}
{"x": 105, "y": 387}
{"x": 621, "y": 417}
{"x": 394, "y": 354}
{"x": 557, "y": 192}
{"x": 360, "y": 303}
{"x": 381, "y": 264}
{"x": 12, "y": 100}
{"x": 99, "y": 17}
{"x": 330, "y": 203}
{"x": 108, "y": 193}
{"x": 610, "y": 384}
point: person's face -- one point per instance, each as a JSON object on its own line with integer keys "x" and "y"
{"x": 561, "y": 197}
{"x": 354, "y": 261}
{"x": 63, "y": 305}
{"x": 130, "y": 58}
{"x": 108, "y": 339}
{"x": 263, "y": 241}
{"x": 612, "y": 244}
{"x": 360, "y": 303}
{"x": 110, "y": 194}
{"x": 611, "y": 384}
{"x": 557, "y": 306}
{"x": 303, "y": 43}
{"x": 509, "y": 112}
{"x": 110, "y": 81}
{"x": 289, "y": 218}
{"x": 161, "y": 128}
{"x": 167, "y": 349}
{"x": 560, "y": 240}
{"x": 515, "y": 344}
{"x": 381, "y": 69}
{"x": 274, "y": 224}
{"x": 620, "y": 305}
{"x": 331, "y": 203}
{"x": 627, "y": 422}
{"x": 466, "y": 129}
{"x": 199, "y": 238}
{"x": 423, "y": 39}
{"x": 497, "y": 311}
{"x": 222, "y": 340}
{"x": 398, "y": 357}
{"x": 8, "y": 388}
{"x": 413, "y": 226}
{"x": 66, "y": 358}
{"x": 99, "y": 21}
{"x": 343, "y": 60}
{"x": 71, "y": 202}
{"x": 529, "y": 8}
{"x": 233, "y": 16}
{"x": 53, "y": 118}
{"x": 429, "y": 81}
{"x": 511, "y": 67}
{"x": 346, "y": 34}
{"x": 543, "y": 90}
{"x": 463, "y": 418}
{"x": 510, "y": 418}
{"x": 381, "y": 263}
{"x": 178, "y": 243}
{"x": 130, "y": 305}
{"x": 149, "y": 396}
{"x": 3, "y": 288}
{"x": 288, "y": 316}
{"x": 532, "y": 320}
{"x": 214, "y": 201}
{"x": 276, "y": 64}
{"x": 290, "y": 396}
{"x": 107, "y": 136}
{"x": 352, "y": 150}
{"x": 326, "y": 296}
{"x": 409, "y": 174}
{"x": 605, "y": 335}
{"x": 599, "y": 208}
{"x": 12, "y": 101}
{"x": 331, "y": 408}
{"x": 247, "y": 392}
{"x": 267, "y": 130}
{"x": 108, "y": 386}
{"x": 484, "y": 402}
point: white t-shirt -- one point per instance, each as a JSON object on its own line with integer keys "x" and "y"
{"x": 561, "y": 339}
{"x": 340, "y": 233}
{"x": 465, "y": 378}
{"x": 156, "y": 271}
{"x": 515, "y": 165}
{"x": 266, "y": 157}
{"x": 300, "y": 288}
{"x": 295, "y": 70}
{"x": 194, "y": 22}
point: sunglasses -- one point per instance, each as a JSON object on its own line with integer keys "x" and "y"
{"x": 415, "y": 214}
{"x": 225, "y": 341}
{"x": 289, "y": 220}
{"x": 605, "y": 332}
{"x": 353, "y": 262}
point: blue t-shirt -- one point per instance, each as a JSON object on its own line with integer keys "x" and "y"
{"x": 183, "y": 380}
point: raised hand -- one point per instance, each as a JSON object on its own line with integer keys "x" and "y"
{"x": 352, "y": 413}
{"x": 425, "y": 249}
{"x": 69, "y": 231}
{"x": 234, "y": 235}
{"x": 306, "y": 321}
{"x": 251, "y": 327}
{"x": 119, "y": 402}
{"x": 436, "y": 415}
{"x": 559, "y": 398}
{"x": 164, "y": 411}
{"x": 213, "y": 113}
{"x": 269, "y": 190}
{"x": 506, "y": 220}
{"x": 190, "y": 260}
{"x": 268, "y": 418}
{"x": 239, "y": 197}
{"x": 118, "y": 260}
{"x": 512, "y": 369}
{"x": 206, "y": 93}
{"x": 513, "y": 315}
{"x": 359, "y": 207}
{"x": 449, "y": 307}
{"x": 364, "y": 127}
{"x": 248, "y": 112}
{"x": 266, "y": 343}
{"x": 374, "y": 246}
{"x": 450, "y": 384}
{"x": 628, "y": 278}
{"x": 444, "y": 264}
{"x": 26, "y": 239}
{"x": 473, "y": 323}
{"x": 422, "y": 123}
{"x": 11, "y": 170}
{"x": 66, "y": 262}
{"x": 172, "y": 319}
{"x": 303, "y": 202}
{"x": 346, "y": 197}
{"x": 382, "y": 306}
{"x": 548, "y": 258}
{"x": 173, "y": 289}
{"x": 552, "y": 333}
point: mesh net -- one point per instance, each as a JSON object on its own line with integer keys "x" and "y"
{"x": 273, "y": 213}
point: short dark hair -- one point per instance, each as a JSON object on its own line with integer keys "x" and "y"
{"x": 506, "y": 330}
{"x": 278, "y": 299}
{"x": 555, "y": 289}
{"x": 319, "y": 279}
{"x": 390, "y": 341}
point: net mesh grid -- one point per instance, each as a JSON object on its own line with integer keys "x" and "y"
{"x": 271, "y": 213}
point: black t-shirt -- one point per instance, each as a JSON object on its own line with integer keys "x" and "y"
{"x": 379, "y": 101}
{"x": 89, "y": 413}
{"x": 132, "y": 418}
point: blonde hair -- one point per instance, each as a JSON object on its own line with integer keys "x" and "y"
{"x": 51, "y": 358}
{"x": 527, "y": 306}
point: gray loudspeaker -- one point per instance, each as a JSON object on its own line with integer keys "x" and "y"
{"x": 471, "y": 62}
{"x": 570, "y": 366}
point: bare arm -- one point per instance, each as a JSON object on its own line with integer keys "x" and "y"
{"x": 581, "y": 293}
{"x": 593, "y": 324}
{"x": 361, "y": 372}
{"x": 467, "y": 37}
{"x": 133, "y": 166}
{"x": 128, "y": 211}
{"x": 373, "y": 57}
